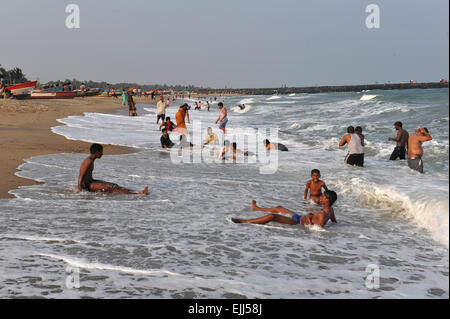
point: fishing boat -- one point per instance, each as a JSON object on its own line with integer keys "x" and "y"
{"x": 53, "y": 95}
{"x": 23, "y": 88}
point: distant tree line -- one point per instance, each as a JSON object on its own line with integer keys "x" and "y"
{"x": 13, "y": 76}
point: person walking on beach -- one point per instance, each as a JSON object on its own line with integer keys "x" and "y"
{"x": 124, "y": 98}
{"x": 160, "y": 110}
{"x": 320, "y": 218}
{"x": 223, "y": 118}
{"x": 355, "y": 154}
{"x": 131, "y": 105}
{"x": 180, "y": 118}
{"x": 401, "y": 140}
{"x": 415, "y": 150}
{"x": 87, "y": 183}
{"x": 83, "y": 90}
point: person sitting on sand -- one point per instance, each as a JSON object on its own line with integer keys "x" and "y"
{"x": 314, "y": 186}
{"x": 168, "y": 124}
{"x": 275, "y": 146}
{"x": 165, "y": 139}
{"x": 320, "y": 218}
{"x": 87, "y": 183}
{"x": 415, "y": 150}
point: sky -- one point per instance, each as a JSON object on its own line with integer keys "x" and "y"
{"x": 238, "y": 44}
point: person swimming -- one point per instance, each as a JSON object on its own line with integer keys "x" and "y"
{"x": 275, "y": 146}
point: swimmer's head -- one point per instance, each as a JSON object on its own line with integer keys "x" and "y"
{"x": 398, "y": 125}
{"x": 164, "y": 131}
{"x": 331, "y": 196}
{"x": 220, "y": 105}
{"x": 97, "y": 149}
{"x": 315, "y": 173}
{"x": 350, "y": 129}
{"x": 168, "y": 119}
{"x": 266, "y": 141}
{"x": 358, "y": 129}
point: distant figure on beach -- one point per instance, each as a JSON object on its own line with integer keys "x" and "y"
{"x": 401, "y": 140}
{"x": 223, "y": 118}
{"x": 87, "y": 183}
{"x": 198, "y": 106}
{"x": 211, "y": 138}
{"x": 275, "y": 146}
{"x": 131, "y": 105}
{"x": 415, "y": 150}
{"x": 314, "y": 186}
{"x": 165, "y": 139}
{"x": 355, "y": 154}
{"x": 83, "y": 90}
{"x": 168, "y": 102}
{"x": 160, "y": 110}
{"x": 242, "y": 107}
{"x": 124, "y": 97}
{"x": 180, "y": 118}
{"x": 168, "y": 124}
{"x": 320, "y": 218}
{"x": 207, "y": 105}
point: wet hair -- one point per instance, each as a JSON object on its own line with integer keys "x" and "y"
{"x": 315, "y": 171}
{"x": 234, "y": 146}
{"x": 266, "y": 141}
{"x": 220, "y": 104}
{"x": 426, "y": 130}
{"x": 331, "y": 196}
{"x": 398, "y": 124}
{"x": 358, "y": 129}
{"x": 350, "y": 129}
{"x": 95, "y": 148}
{"x": 168, "y": 118}
{"x": 164, "y": 130}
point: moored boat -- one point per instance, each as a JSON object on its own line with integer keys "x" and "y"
{"x": 22, "y": 88}
{"x": 53, "y": 95}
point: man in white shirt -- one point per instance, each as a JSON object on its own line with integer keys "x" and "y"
{"x": 161, "y": 110}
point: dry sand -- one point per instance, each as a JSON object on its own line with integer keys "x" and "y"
{"x": 25, "y": 131}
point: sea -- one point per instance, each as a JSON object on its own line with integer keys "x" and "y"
{"x": 391, "y": 239}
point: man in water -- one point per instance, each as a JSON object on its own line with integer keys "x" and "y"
{"x": 275, "y": 146}
{"x": 402, "y": 142}
{"x": 320, "y": 218}
{"x": 242, "y": 107}
{"x": 165, "y": 139}
{"x": 87, "y": 183}
{"x": 355, "y": 154}
{"x": 168, "y": 124}
{"x": 415, "y": 150}
{"x": 180, "y": 118}
{"x": 223, "y": 118}
{"x": 160, "y": 110}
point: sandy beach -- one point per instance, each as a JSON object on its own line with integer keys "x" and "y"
{"x": 25, "y": 128}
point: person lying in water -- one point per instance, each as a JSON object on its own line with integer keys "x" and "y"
{"x": 275, "y": 146}
{"x": 320, "y": 218}
{"x": 87, "y": 183}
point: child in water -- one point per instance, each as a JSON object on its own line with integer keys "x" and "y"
{"x": 314, "y": 186}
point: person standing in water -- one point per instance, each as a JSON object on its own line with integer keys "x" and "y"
{"x": 415, "y": 150}
{"x": 320, "y": 218}
{"x": 180, "y": 118}
{"x": 160, "y": 110}
{"x": 401, "y": 140}
{"x": 223, "y": 118}
{"x": 355, "y": 154}
{"x": 87, "y": 183}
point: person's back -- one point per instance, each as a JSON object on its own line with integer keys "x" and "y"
{"x": 355, "y": 145}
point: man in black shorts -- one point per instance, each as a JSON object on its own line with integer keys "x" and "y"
{"x": 402, "y": 142}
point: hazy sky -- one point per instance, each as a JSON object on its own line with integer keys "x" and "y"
{"x": 245, "y": 43}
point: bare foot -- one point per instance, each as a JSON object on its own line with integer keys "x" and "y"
{"x": 145, "y": 191}
{"x": 254, "y": 205}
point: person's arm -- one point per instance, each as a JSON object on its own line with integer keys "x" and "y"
{"x": 397, "y": 139}
{"x": 362, "y": 140}
{"x": 83, "y": 169}
{"x": 332, "y": 217}
{"x": 161, "y": 126}
{"x": 343, "y": 140}
{"x": 324, "y": 186}
{"x": 425, "y": 136}
{"x": 308, "y": 185}
{"x": 187, "y": 114}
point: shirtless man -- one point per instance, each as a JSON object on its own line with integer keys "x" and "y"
{"x": 415, "y": 150}
{"x": 180, "y": 118}
{"x": 275, "y": 146}
{"x": 223, "y": 118}
{"x": 320, "y": 218}
{"x": 314, "y": 186}
{"x": 401, "y": 140}
{"x": 87, "y": 183}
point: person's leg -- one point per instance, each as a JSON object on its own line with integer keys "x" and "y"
{"x": 402, "y": 153}
{"x": 106, "y": 187}
{"x": 278, "y": 209}
{"x": 394, "y": 154}
{"x": 266, "y": 219}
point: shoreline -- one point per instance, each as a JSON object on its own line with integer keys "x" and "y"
{"x": 25, "y": 127}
